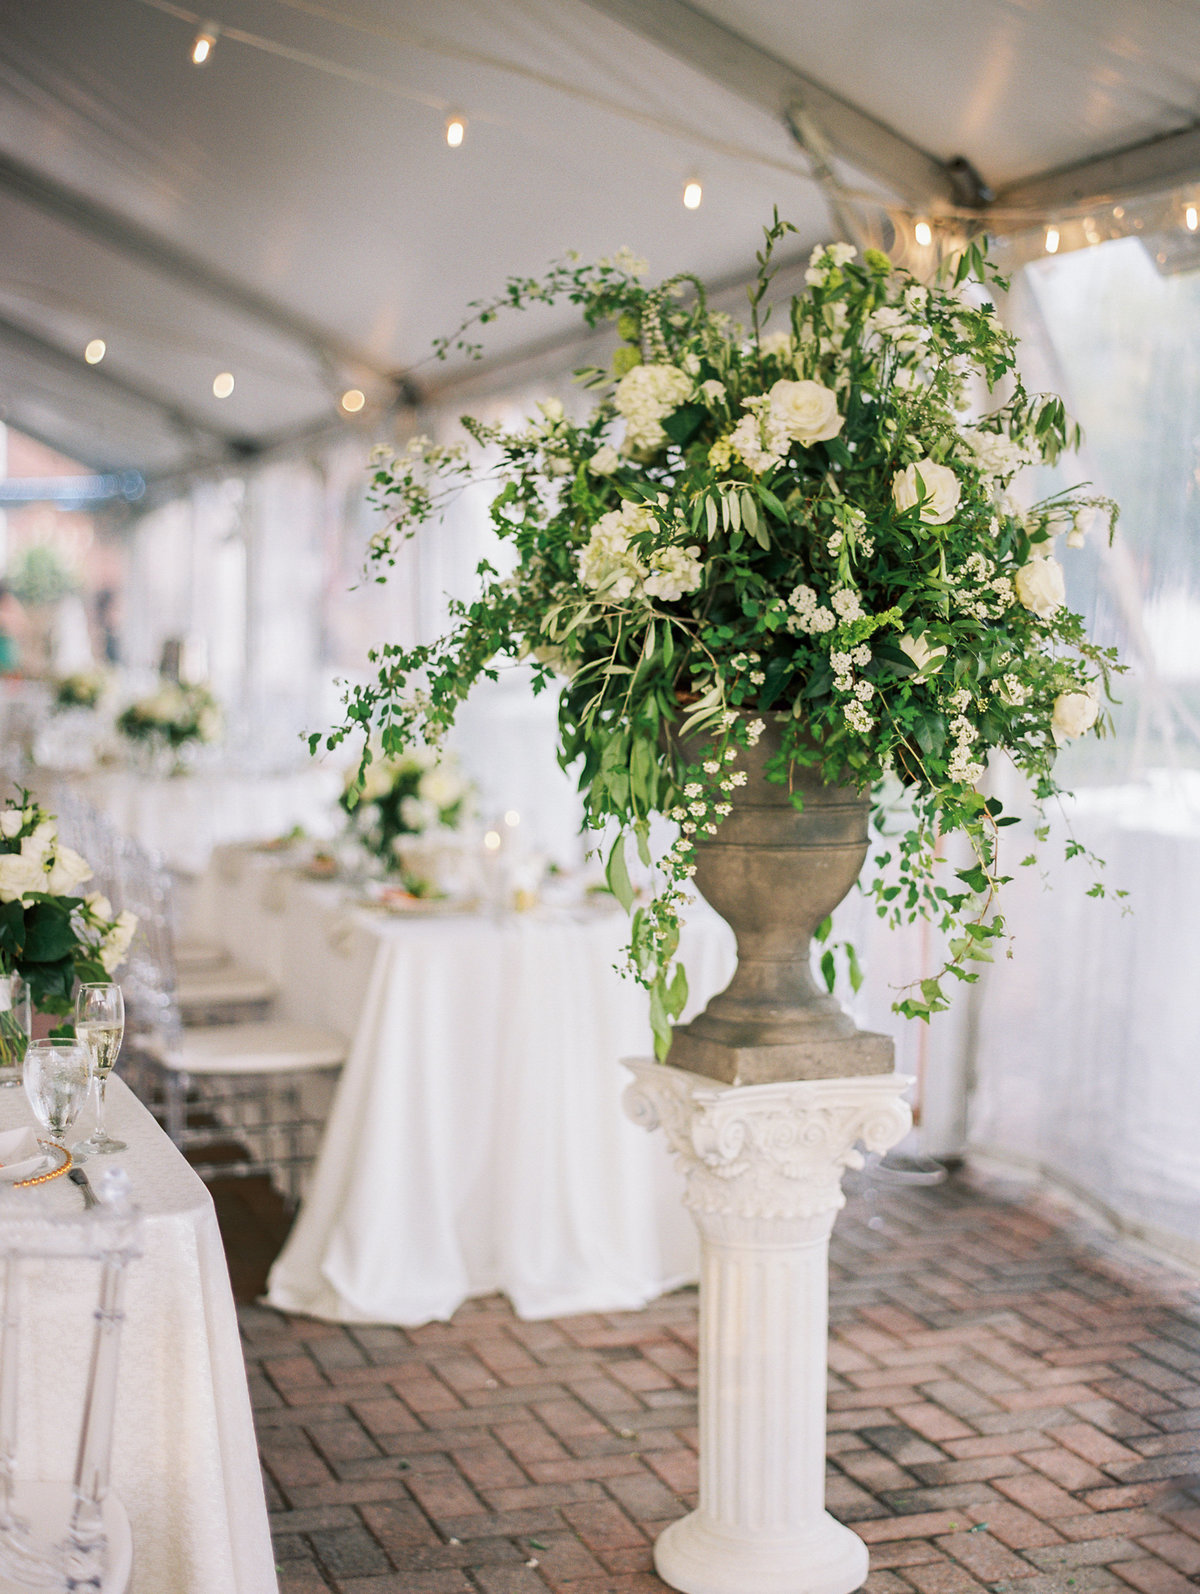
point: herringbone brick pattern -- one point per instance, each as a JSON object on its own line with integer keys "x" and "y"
{"x": 1014, "y": 1403}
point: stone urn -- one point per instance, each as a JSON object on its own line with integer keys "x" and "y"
{"x": 774, "y": 872}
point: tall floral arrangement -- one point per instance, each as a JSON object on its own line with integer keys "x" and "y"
{"x": 807, "y": 517}
{"x": 51, "y": 933}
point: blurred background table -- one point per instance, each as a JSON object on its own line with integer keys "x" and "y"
{"x": 185, "y": 1462}
{"x": 476, "y": 1140}
{"x": 183, "y": 817}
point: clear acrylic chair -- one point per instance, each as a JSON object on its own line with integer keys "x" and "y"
{"x": 58, "y": 1534}
{"x": 267, "y": 1082}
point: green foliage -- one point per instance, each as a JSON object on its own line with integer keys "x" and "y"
{"x": 803, "y": 521}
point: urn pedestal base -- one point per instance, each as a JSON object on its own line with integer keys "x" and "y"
{"x": 764, "y": 1165}
{"x": 862, "y": 1053}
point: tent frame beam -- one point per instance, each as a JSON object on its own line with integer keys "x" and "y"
{"x": 138, "y": 243}
{"x": 755, "y": 75}
{"x": 1151, "y": 166}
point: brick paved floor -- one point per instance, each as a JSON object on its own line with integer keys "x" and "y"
{"x": 1014, "y": 1403}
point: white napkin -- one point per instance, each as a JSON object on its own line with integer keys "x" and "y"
{"x": 20, "y": 1155}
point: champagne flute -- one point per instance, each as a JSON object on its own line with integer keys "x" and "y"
{"x": 100, "y": 1024}
{"x": 57, "y": 1075}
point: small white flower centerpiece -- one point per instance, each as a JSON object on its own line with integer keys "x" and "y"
{"x": 51, "y": 934}
{"x": 804, "y": 525}
{"x": 176, "y": 716}
{"x": 407, "y": 810}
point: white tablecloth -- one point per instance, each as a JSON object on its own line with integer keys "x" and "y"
{"x": 184, "y": 817}
{"x": 185, "y": 1462}
{"x": 476, "y": 1140}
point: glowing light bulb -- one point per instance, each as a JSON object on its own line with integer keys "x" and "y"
{"x": 353, "y": 400}
{"x": 1090, "y": 231}
{"x": 693, "y": 193}
{"x": 1191, "y": 218}
{"x": 491, "y": 840}
{"x": 923, "y": 233}
{"x": 223, "y": 384}
{"x": 1118, "y": 211}
{"x": 95, "y": 351}
{"x": 1052, "y": 240}
{"x": 456, "y": 131}
{"x": 204, "y": 43}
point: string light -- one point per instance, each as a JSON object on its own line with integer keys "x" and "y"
{"x": 693, "y": 193}
{"x": 205, "y": 43}
{"x": 456, "y": 131}
{"x": 492, "y": 840}
{"x": 923, "y": 233}
{"x": 353, "y": 400}
{"x": 95, "y": 351}
{"x": 223, "y": 385}
{"x": 1053, "y": 240}
{"x": 1191, "y": 218}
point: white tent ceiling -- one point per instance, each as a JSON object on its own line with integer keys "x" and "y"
{"x": 290, "y": 211}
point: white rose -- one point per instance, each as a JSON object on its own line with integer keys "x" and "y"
{"x": 806, "y": 411}
{"x": 1040, "y": 586}
{"x": 68, "y": 870}
{"x": 19, "y": 875}
{"x": 1074, "y": 713}
{"x": 11, "y": 822}
{"x": 928, "y": 661}
{"x": 942, "y": 491}
{"x": 604, "y": 461}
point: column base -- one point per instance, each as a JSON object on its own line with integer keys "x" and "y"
{"x": 697, "y": 1556}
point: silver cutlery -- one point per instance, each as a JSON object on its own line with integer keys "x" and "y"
{"x": 79, "y": 1177}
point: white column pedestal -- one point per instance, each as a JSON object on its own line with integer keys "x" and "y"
{"x": 764, "y": 1165}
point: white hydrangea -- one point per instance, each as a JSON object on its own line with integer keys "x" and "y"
{"x": 604, "y": 461}
{"x": 996, "y": 455}
{"x": 609, "y": 564}
{"x": 758, "y": 440}
{"x": 644, "y": 396}
{"x": 896, "y": 327}
{"x": 673, "y": 571}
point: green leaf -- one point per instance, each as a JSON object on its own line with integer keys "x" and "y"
{"x": 683, "y": 424}
{"x": 659, "y": 1021}
{"x": 823, "y": 930}
{"x": 677, "y": 991}
{"x": 642, "y": 831}
{"x": 617, "y": 874}
{"x": 48, "y": 933}
{"x": 854, "y": 967}
{"x": 828, "y": 969}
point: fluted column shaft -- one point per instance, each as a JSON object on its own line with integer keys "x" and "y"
{"x": 763, "y": 1166}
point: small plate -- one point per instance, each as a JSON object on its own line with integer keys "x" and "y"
{"x": 54, "y": 1173}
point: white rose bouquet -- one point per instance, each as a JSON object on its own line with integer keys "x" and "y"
{"x": 809, "y": 522}
{"x": 403, "y": 797}
{"x": 50, "y": 933}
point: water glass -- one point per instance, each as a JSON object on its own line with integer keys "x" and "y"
{"x": 57, "y": 1076}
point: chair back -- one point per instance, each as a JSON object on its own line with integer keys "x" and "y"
{"x": 59, "y": 1534}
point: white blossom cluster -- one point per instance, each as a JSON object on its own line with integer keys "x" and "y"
{"x": 963, "y": 766}
{"x": 826, "y": 258}
{"x": 850, "y": 522}
{"x": 859, "y": 691}
{"x": 978, "y": 592}
{"x": 1011, "y": 689}
{"x": 894, "y": 326}
{"x": 809, "y": 616}
{"x": 748, "y": 662}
